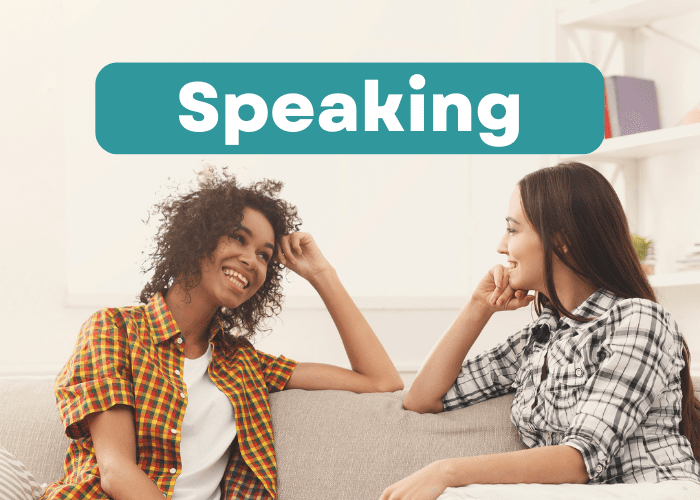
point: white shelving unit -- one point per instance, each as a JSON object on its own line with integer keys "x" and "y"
{"x": 615, "y": 14}
{"x": 628, "y": 19}
{"x": 685, "y": 278}
{"x": 627, "y": 24}
{"x": 643, "y": 145}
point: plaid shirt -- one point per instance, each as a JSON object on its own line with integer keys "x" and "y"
{"x": 134, "y": 356}
{"x": 609, "y": 388}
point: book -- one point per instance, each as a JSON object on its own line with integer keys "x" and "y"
{"x": 632, "y": 105}
{"x": 691, "y": 259}
{"x": 608, "y": 130}
{"x": 612, "y": 107}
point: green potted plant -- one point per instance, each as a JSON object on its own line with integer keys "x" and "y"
{"x": 644, "y": 249}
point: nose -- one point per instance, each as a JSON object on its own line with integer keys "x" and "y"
{"x": 247, "y": 258}
{"x": 502, "y": 246}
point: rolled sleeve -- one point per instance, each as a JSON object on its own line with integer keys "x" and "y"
{"x": 639, "y": 354}
{"x": 488, "y": 375}
{"x": 276, "y": 370}
{"x": 97, "y": 376}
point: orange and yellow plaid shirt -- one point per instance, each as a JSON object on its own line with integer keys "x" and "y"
{"x": 134, "y": 356}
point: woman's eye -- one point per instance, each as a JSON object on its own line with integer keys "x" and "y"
{"x": 239, "y": 238}
{"x": 264, "y": 256}
{"x": 510, "y": 230}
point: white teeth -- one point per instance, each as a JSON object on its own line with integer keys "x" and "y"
{"x": 236, "y": 278}
{"x": 236, "y": 282}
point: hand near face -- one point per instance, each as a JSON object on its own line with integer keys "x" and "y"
{"x": 426, "y": 484}
{"x": 299, "y": 252}
{"x": 495, "y": 292}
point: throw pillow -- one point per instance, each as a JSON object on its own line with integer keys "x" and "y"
{"x": 16, "y": 482}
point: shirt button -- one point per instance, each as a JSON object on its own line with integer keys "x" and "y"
{"x": 182, "y": 395}
{"x": 599, "y": 468}
{"x": 174, "y": 431}
{"x": 579, "y": 372}
{"x": 179, "y": 341}
{"x": 173, "y": 471}
{"x": 177, "y": 372}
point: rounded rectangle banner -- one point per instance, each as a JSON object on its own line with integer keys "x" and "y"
{"x": 349, "y": 108}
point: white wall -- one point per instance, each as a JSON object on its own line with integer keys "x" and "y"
{"x": 55, "y": 178}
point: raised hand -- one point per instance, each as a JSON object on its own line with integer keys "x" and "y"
{"x": 372, "y": 369}
{"x": 494, "y": 291}
{"x": 299, "y": 252}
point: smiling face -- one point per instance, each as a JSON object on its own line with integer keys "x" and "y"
{"x": 523, "y": 248}
{"x": 238, "y": 266}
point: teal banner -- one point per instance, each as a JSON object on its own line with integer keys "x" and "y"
{"x": 349, "y": 108}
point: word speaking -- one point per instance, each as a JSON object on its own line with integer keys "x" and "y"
{"x": 295, "y": 112}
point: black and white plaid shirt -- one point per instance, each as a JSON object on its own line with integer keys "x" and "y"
{"x": 612, "y": 388}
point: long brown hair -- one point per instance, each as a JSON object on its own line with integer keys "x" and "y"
{"x": 572, "y": 204}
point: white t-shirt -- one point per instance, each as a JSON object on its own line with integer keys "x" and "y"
{"x": 208, "y": 429}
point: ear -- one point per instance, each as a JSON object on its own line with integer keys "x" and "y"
{"x": 560, "y": 243}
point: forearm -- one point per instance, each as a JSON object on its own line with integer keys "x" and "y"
{"x": 442, "y": 366}
{"x": 127, "y": 481}
{"x": 365, "y": 352}
{"x": 114, "y": 440}
{"x": 545, "y": 465}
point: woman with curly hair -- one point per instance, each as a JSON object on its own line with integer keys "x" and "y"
{"x": 170, "y": 397}
{"x": 601, "y": 378}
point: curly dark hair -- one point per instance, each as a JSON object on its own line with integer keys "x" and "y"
{"x": 190, "y": 228}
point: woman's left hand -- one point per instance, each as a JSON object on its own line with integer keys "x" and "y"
{"x": 426, "y": 484}
{"x": 299, "y": 252}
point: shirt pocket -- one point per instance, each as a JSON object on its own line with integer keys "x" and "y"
{"x": 562, "y": 391}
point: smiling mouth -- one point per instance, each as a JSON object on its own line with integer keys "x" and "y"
{"x": 236, "y": 278}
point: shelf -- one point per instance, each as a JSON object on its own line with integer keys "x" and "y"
{"x": 644, "y": 144}
{"x": 675, "y": 279}
{"x": 611, "y": 14}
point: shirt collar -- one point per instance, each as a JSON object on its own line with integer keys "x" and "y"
{"x": 595, "y": 305}
{"x": 163, "y": 326}
{"x": 216, "y": 331}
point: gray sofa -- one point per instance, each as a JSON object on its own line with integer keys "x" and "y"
{"x": 329, "y": 444}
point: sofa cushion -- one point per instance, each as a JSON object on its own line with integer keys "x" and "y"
{"x": 30, "y": 427}
{"x": 346, "y": 446}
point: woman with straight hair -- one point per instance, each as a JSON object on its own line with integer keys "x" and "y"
{"x": 169, "y": 399}
{"x": 603, "y": 393}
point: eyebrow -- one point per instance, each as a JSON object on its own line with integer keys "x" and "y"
{"x": 511, "y": 219}
{"x": 250, "y": 233}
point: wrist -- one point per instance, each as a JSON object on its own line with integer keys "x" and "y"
{"x": 322, "y": 277}
{"x": 479, "y": 308}
{"x": 445, "y": 472}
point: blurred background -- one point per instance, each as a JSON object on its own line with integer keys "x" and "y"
{"x": 410, "y": 236}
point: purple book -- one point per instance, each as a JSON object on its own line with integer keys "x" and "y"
{"x": 637, "y": 109}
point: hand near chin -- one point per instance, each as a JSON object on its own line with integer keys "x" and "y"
{"x": 299, "y": 252}
{"x": 495, "y": 292}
